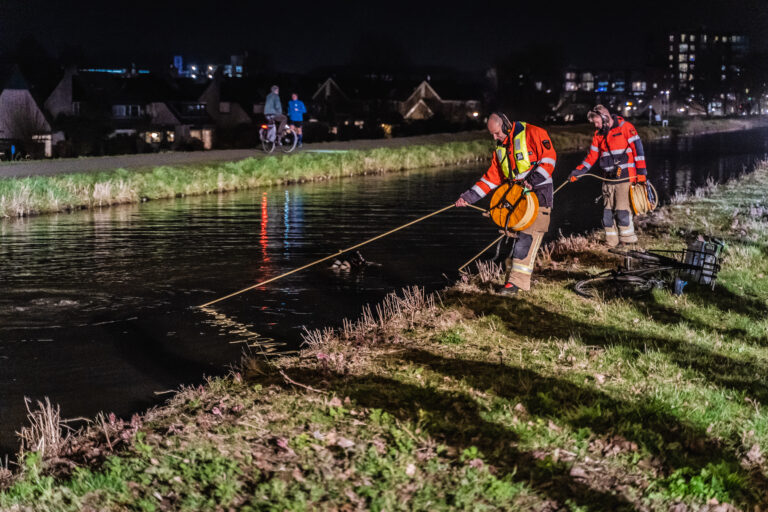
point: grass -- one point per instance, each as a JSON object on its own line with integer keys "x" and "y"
{"x": 469, "y": 400}
{"x": 21, "y": 197}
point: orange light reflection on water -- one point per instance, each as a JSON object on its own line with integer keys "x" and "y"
{"x": 264, "y": 239}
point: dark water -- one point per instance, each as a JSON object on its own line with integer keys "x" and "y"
{"x": 96, "y": 307}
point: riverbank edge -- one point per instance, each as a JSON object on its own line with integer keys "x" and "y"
{"x": 21, "y": 197}
{"x": 468, "y": 400}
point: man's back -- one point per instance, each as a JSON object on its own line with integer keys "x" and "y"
{"x": 272, "y": 104}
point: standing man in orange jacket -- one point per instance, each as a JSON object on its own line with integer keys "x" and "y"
{"x": 524, "y": 155}
{"x": 619, "y": 151}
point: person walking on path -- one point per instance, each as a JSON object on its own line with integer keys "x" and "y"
{"x": 296, "y": 111}
{"x": 524, "y": 155}
{"x": 617, "y": 148}
{"x": 273, "y": 109}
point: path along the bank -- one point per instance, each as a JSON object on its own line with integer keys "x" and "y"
{"x": 148, "y": 160}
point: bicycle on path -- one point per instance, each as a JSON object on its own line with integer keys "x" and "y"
{"x": 286, "y": 141}
{"x": 645, "y": 270}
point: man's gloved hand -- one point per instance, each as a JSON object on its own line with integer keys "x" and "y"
{"x": 641, "y": 178}
{"x": 575, "y": 174}
{"x": 460, "y": 202}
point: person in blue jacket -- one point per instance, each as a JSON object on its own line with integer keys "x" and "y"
{"x": 296, "y": 111}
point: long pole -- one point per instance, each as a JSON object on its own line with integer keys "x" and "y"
{"x": 327, "y": 257}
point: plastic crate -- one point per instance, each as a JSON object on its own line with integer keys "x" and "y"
{"x": 702, "y": 260}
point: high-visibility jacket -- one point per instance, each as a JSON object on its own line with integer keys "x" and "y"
{"x": 536, "y": 164}
{"x": 619, "y": 152}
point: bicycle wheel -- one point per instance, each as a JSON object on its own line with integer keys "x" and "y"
{"x": 288, "y": 141}
{"x": 269, "y": 146}
{"x": 618, "y": 284}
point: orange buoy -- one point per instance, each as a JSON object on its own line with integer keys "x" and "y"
{"x": 513, "y": 207}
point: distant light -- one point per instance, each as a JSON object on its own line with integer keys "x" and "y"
{"x": 475, "y": 114}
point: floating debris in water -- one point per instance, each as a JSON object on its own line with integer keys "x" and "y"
{"x": 353, "y": 262}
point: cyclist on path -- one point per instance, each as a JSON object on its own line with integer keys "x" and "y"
{"x": 273, "y": 109}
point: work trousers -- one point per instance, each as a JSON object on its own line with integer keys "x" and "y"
{"x": 617, "y": 214}
{"x": 520, "y": 266}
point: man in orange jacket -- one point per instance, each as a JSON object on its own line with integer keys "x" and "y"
{"x": 524, "y": 155}
{"x": 616, "y": 146}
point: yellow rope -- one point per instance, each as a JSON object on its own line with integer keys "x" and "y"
{"x": 326, "y": 258}
{"x": 480, "y": 253}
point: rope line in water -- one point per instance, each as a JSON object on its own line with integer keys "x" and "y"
{"x": 342, "y": 251}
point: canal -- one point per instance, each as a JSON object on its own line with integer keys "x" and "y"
{"x": 97, "y": 307}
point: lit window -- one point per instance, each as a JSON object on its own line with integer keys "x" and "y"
{"x": 683, "y": 48}
{"x": 693, "y": 38}
{"x": 683, "y": 67}
{"x": 671, "y": 38}
{"x": 682, "y": 37}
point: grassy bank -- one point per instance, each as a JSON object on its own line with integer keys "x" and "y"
{"x": 469, "y": 401}
{"x": 35, "y": 195}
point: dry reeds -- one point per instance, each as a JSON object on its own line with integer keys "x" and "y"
{"x": 317, "y": 337}
{"x": 489, "y": 271}
{"x": 394, "y": 311}
{"x": 47, "y": 434}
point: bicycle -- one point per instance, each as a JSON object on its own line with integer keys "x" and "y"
{"x": 645, "y": 270}
{"x": 267, "y": 134}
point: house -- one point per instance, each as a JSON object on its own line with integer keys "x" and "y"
{"x": 232, "y": 102}
{"x": 424, "y": 103}
{"x": 22, "y": 121}
{"x": 331, "y": 103}
{"x": 143, "y": 111}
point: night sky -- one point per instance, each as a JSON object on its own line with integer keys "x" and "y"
{"x": 301, "y": 36}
